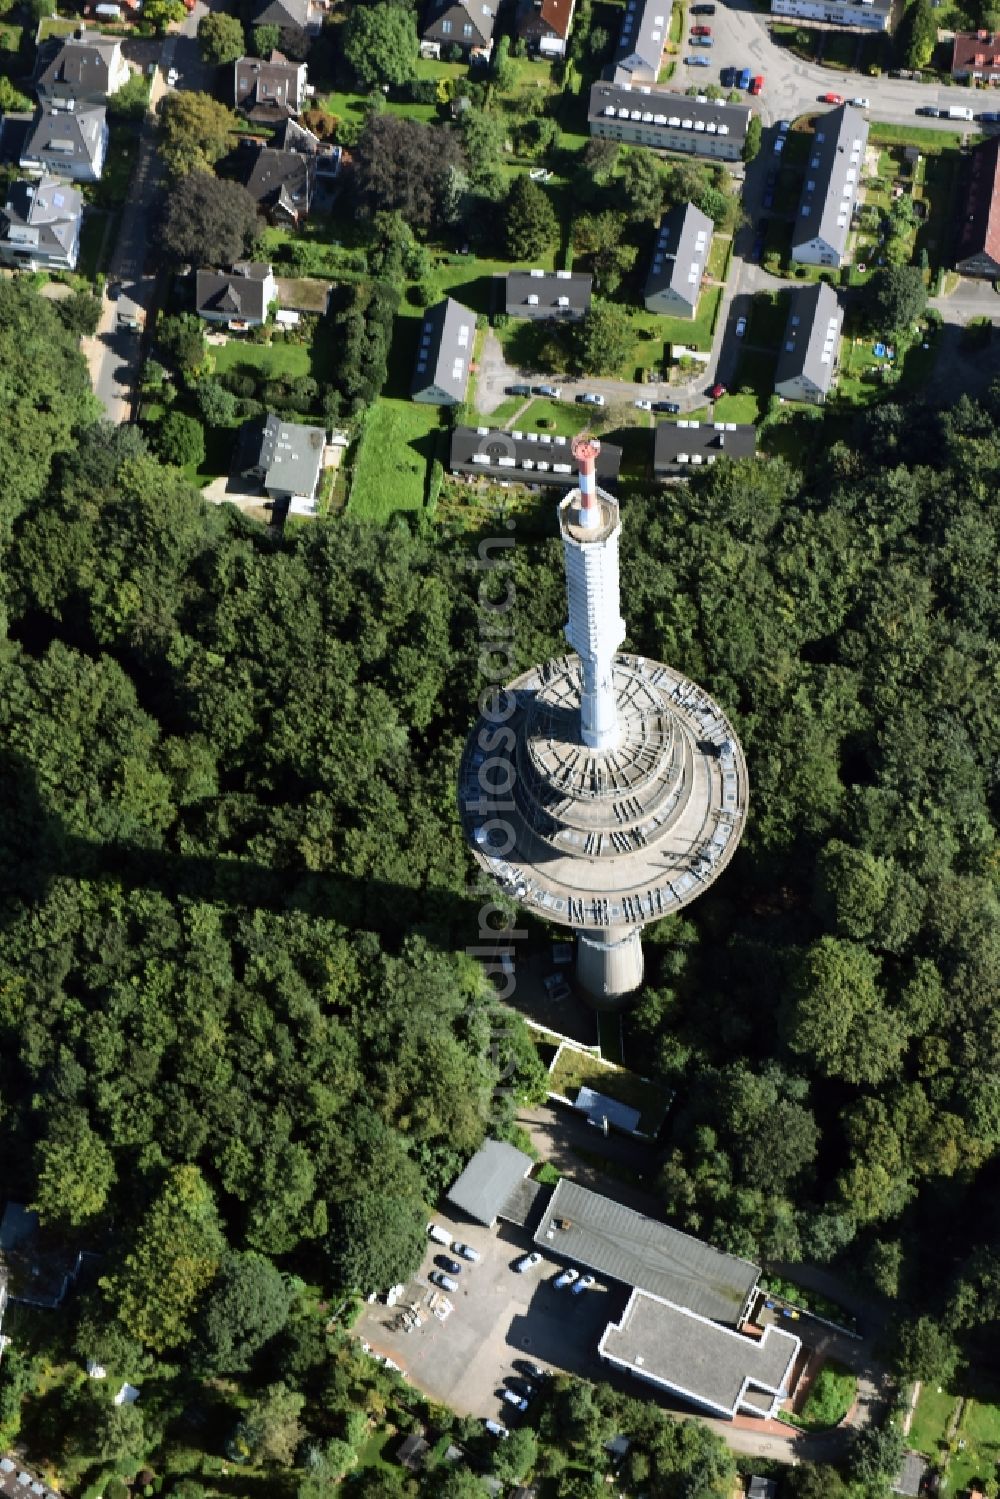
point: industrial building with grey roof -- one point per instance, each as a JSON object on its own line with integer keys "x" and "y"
{"x": 831, "y": 187}
{"x": 723, "y": 1371}
{"x": 625, "y": 1245}
{"x": 491, "y": 1186}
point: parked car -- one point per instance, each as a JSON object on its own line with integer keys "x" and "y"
{"x": 988, "y": 117}
{"x": 716, "y": 390}
{"x": 902, "y": 73}
{"x": 583, "y": 1284}
{"x": 702, "y": 41}
{"x": 532, "y": 1370}
{"x": 554, "y": 392}
{"x": 741, "y": 327}
{"x": 172, "y": 77}
{"x": 495, "y": 1429}
{"x": 527, "y": 1262}
{"x": 697, "y": 62}
{"x": 128, "y": 322}
{"x": 779, "y": 145}
{"x": 757, "y": 248}
{"x": 643, "y": 405}
{"x": 703, "y": 10}
{"x": 861, "y": 102}
{"x": 565, "y": 1278}
{"x": 591, "y": 398}
{"x": 466, "y": 1251}
{"x": 517, "y": 1401}
{"x": 519, "y": 390}
{"x": 957, "y": 112}
{"x": 523, "y": 1387}
{"x": 114, "y": 290}
{"x": 784, "y": 126}
{"x": 452, "y": 1267}
{"x": 745, "y": 78}
{"x": 444, "y": 1281}
{"x": 701, "y": 31}
{"x": 672, "y": 406}
{"x": 439, "y": 1235}
{"x": 757, "y": 84}
{"x": 931, "y": 110}
{"x": 728, "y": 77}
{"x": 831, "y": 98}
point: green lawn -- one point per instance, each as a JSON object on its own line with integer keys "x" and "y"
{"x": 91, "y": 242}
{"x": 718, "y": 259}
{"x": 10, "y": 37}
{"x": 273, "y": 360}
{"x": 561, "y": 418}
{"x": 976, "y": 1450}
{"x": 830, "y": 1398}
{"x": 575, "y": 1069}
{"x": 399, "y": 443}
{"x": 695, "y": 332}
{"x": 931, "y": 142}
{"x": 751, "y": 389}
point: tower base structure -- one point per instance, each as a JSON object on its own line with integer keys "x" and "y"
{"x": 609, "y": 965}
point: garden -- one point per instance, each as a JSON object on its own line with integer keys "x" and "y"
{"x": 573, "y": 1070}
{"x": 960, "y": 1435}
{"x": 830, "y": 1397}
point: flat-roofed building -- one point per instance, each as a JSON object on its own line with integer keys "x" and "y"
{"x": 866, "y": 15}
{"x": 680, "y": 254}
{"x": 441, "y": 374}
{"x": 684, "y": 1353}
{"x": 809, "y": 349}
{"x": 641, "y": 1252}
{"x": 668, "y": 122}
{"x": 831, "y": 187}
{"x": 547, "y": 294}
{"x": 682, "y": 446}
{"x": 524, "y": 457}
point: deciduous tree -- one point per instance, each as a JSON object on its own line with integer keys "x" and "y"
{"x": 530, "y": 220}
{"x": 380, "y": 43}
{"x": 196, "y": 130}
{"x": 221, "y": 37}
{"x": 208, "y": 221}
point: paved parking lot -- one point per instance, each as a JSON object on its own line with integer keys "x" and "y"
{"x": 499, "y": 1316}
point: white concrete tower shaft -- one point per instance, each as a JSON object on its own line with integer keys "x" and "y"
{"x": 590, "y": 524}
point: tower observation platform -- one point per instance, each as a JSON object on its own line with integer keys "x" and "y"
{"x": 602, "y": 790}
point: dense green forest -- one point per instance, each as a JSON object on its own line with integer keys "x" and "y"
{"x": 238, "y": 1031}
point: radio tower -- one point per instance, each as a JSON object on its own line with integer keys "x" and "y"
{"x": 602, "y": 790}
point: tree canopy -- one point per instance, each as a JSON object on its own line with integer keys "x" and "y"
{"x": 380, "y": 43}
{"x": 196, "y": 131}
{"x": 209, "y": 221}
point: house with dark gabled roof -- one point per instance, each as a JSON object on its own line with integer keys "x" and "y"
{"x": 280, "y": 182}
{"x": 269, "y": 89}
{"x": 975, "y": 57}
{"x": 40, "y": 225}
{"x": 287, "y": 460}
{"x": 544, "y": 25}
{"x": 240, "y": 296}
{"x": 441, "y": 373}
{"x": 680, "y": 254}
{"x": 667, "y": 121}
{"x": 831, "y": 187}
{"x": 289, "y": 15}
{"x": 547, "y": 294}
{"x": 978, "y": 250}
{"x": 67, "y": 141}
{"x": 809, "y": 349}
{"x": 467, "y": 24}
{"x": 85, "y": 69}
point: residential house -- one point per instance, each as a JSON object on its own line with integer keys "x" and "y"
{"x": 466, "y": 24}
{"x": 761, "y": 1488}
{"x": 40, "y": 225}
{"x": 290, "y": 135}
{"x": 668, "y": 121}
{"x": 721, "y": 1370}
{"x": 441, "y": 375}
{"x": 240, "y": 296}
{"x": 19, "y": 1482}
{"x": 641, "y": 41}
{"x": 80, "y": 69}
{"x": 975, "y": 57}
{"x": 682, "y": 446}
{"x": 67, "y": 142}
{"x": 978, "y": 250}
{"x": 269, "y": 89}
{"x": 544, "y": 25}
{"x": 680, "y": 254}
{"x": 287, "y": 461}
{"x": 808, "y": 356}
{"x": 412, "y": 1451}
{"x": 865, "y": 15}
{"x": 831, "y": 187}
{"x": 298, "y": 16}
{"x": 524, "y": 457}
{"x": 547, "y": 294}
{"x": 281, "y": 182}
